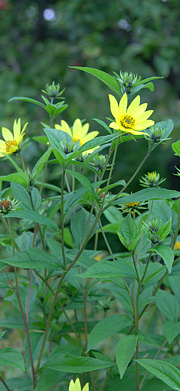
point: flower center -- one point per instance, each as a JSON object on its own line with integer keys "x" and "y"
{"x": 5, "y": 205}
{"x": 127, "y": 121}
{"x": 11, "y": 146}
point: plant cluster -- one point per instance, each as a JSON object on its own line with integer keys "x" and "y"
{"x": 65, "y": 295}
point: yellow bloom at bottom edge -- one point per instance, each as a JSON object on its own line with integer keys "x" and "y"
{"x": 12, "y": 140}
{"x": 77, "y": 386}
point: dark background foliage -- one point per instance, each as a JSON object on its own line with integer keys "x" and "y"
{"x": 40, "y": 39}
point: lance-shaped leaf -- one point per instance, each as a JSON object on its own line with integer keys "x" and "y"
{"x": 32, "y": 216}
{"x": 167, "y": 254}
{"x": 124, "y": 352}
{"x": 110, "y": 81}
{"x": 106, "y": 328}
{"x": 166, "y": 372}
{"x": 32, "y": 258}
{"x": 71, "y": 364}
{"x": 12, "y": 357}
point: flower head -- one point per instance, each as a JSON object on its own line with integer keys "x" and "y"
{"x": 7, "y": 206}
{"x": 79, "y": 133}
{"x": 133, "y": 119}
{"x": 177, "y": 245}
{"x": 12, "y": 141}
{"x": 77, "y": 386}
{"x": 151, "y": 179}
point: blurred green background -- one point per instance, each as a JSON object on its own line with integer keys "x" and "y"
{"x": 40, "y": 39}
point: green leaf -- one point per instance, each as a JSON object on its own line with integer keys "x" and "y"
{"x": 48, "y": 378}
{"x": 12, "y": 357}
{"x": 171, "y": 330}
{"x": 110, "y": 81}
{"x": 2, "y": 333}
{"x": 113, "y": 215}
{"x": 78, "y": 225}
{"x": 167, "y": 254}
{"x": 36, "y": 102}
{"x": 108, "y": 269}
{"x": 32, "y": 258}
{"x": 32, "y": 216}
{"x": 21, "y": 194}
{"x": 124, "y": 352}
{"x": 102, "y": 123}
{"x": 18, "y": 384}
{"x": 155, "y": 384}
{"x": 55, "y": 110}
{"x": 164, "y": 371}
{"x": 168, "y": 305}
{"x": 85, "y": 182}
{"x": 19, "y": 177}
{"x": 165, "y": 229}
{"x": 71, "y": 364}
{"x": 176, "y": 147}
{"x": 106, "y": 328}
{"x": 149, "y": 194}
{"x": 40, "y": 163}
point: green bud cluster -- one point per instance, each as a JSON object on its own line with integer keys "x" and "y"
{"x": 127, "y": 80}
{"x": 151, "y": 179}
{"x": 69, "y": 146}
{"x": 156, "y": 133}
{"x": 99, "y": 162}
{"x": 153, "y": 227}
{"x": 53, "y": 90}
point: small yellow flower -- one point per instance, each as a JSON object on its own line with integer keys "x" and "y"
{"x": 79, "y": 132}
{"x": 177, "y": 245}
{"x": 77, "y": 386}
{"x": 12, "y": 140}
{"x": 133, "y": 119}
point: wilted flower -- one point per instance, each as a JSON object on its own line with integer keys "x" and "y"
{"x": 151, "y": 179}
{"x": 7, "y": 206}
{"x": 12, "y": 140}
{"x": 133, "y": 119}
{"x": 77, "y": 386}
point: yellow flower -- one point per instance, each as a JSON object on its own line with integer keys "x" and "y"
{"x": 77, "y": 386}
{"x": 78, "y": 132}
{"x": 12, "y": 140}
{"x": 177, "y": 245}
{"x": 133, "y": 119}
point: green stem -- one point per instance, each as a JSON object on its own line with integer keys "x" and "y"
{"x": 4, "y": 383}
{"x": 16, "y": 291}
{"x": 142, "y": 381}
{"x": 131, "y": 179}
{"x": 60, "y": 305}
{"x": 22, "y": 162}
{"x": 62, "y": 217}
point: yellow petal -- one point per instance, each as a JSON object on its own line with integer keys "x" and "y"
{"x": 144, "y": 125}
{"x": 144, "y": 116}
{"x": 76, "y": 130}
{"x": 88, "y": 137}
{"x": 71, "y": 384}
{"x": 114, "y": 107}
{"x": 77, "y": 386}
{"x": 133, "y": 107}
{"x": 64, "y": 127}
{"x": 86, "y": 387}
{"x": 84, "y": 130}
{"x": 17, "y": 129}
{"x": 133, "y": 132}
{"x": 7, "y": 134}
{"x": 114, "y": 125}
{"x": 141, "y": 109}
{"x": 123, "y": 105}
